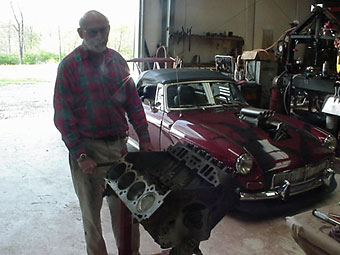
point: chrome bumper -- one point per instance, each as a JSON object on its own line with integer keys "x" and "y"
{"x": 289, "y": 189}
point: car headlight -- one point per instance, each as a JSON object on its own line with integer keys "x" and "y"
{"x": 330, "y": 142}
{"x": 244, "y": 163}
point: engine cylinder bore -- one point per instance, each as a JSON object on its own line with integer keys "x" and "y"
{"x": 136, "y": 190}
{"x": 146, "y": 202}
{"x": 126, "y": 180}
{"x": 116, "y": 171}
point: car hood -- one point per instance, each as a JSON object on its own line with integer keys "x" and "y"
{"x": 225, "y": 130}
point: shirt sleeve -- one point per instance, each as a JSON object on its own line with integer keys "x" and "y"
{"x": 134, "y": 108}
{"x": 64, "y": 118}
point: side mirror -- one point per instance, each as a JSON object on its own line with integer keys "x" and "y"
{"x": 154, "y": 106}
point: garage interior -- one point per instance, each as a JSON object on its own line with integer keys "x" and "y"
{"x": 39, "y": 209}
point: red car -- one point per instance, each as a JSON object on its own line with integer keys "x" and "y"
{"x": 271, "y": 155}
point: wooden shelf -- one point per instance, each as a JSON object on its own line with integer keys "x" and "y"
{"x": 219, "y": 37}
{"x": 214, "y": 37}
{"x": 200, "y": 50}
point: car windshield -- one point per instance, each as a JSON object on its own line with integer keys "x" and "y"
{"x": 203, "y": 93}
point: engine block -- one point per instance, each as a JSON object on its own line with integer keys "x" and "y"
{"x": 178, "y": 195}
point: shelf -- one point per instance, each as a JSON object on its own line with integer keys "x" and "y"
{"x": 200, "y": 50}
{"x": 309, "y": 37}
{"x": 214, "y": 37}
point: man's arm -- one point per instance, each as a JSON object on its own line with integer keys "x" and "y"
{"x": 64, "y": 118}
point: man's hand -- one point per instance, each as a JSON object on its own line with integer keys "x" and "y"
{"x": 88, "y": 165}
{"x": 146, "y": 146}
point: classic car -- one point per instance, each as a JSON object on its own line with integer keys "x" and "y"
{"x": 272, "y": 156}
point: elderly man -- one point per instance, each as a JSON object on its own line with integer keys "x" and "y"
{"x": 93, "y": 94}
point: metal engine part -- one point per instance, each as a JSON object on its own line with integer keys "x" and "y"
{"x": 261, "y": 117}
{"x": 256, "y": 116}
{"x": 178, "y": 195}
{"x": 257, "y": 113}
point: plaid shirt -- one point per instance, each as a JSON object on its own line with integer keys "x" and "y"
{"x": 91, "y": 101}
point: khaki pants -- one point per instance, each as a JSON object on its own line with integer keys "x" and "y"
{"x": 89, "y": 189}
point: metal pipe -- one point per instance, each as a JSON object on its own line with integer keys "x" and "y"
{"x": 168, "y": 23}
{"x": 254, "y": 25}
{"x": 324, "y": 217}
{"x": 140, "y": 52}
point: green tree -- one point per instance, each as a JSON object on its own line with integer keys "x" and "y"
{"x": 19, "y": 28}
{"x": 121, "y": 39}
{"x": 32, "y": 40}
{"x": 6, "y": 38}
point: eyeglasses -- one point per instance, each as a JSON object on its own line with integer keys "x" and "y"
{"x": 92, "y": 32}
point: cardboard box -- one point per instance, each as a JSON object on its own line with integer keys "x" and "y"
{"x": 260, "y": 55}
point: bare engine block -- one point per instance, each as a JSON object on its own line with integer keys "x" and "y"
{"x": 178, "y": 195}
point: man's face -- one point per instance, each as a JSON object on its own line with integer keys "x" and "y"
{"x": 95, "y": 33}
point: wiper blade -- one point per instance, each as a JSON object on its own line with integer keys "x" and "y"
{"x": 207, "y": 104}
{"x": 228, "y": 104}
{"x": 188, "y": 105}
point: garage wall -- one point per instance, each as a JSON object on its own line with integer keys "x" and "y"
{"x": 275, "y": 15}
{"x": 259, "y": 22}
{"x": 151, "y": 25}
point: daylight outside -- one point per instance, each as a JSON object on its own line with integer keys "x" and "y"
{"x": 35, "y": 35}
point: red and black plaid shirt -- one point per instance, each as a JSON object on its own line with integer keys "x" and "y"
{"x": 92, "y": 101}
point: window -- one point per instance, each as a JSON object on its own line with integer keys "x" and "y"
{"x": 226, "y": 92}
{"x": 205, "y": 93}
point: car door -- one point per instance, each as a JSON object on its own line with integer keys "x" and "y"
{"x": 166, "y": 138}
{"x": 154, "y": 115}
{"x": 144, "y": 87}
{"x": 169, "y": 117}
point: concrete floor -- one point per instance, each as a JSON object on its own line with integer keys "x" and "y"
{"x": 39, "y": 210}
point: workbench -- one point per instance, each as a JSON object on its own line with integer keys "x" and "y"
{"x": 312, "y": 233}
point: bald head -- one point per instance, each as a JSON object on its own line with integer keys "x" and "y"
{"x": 91, "y": 17}
{"x": 94, "y": 29}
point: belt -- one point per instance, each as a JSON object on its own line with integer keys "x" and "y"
{"x": 113, "y": 138}
{"x": 110, "y": 138}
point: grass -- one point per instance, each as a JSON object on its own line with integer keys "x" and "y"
{"x": 20, "y": 81}
{"x": 27, "y": 74}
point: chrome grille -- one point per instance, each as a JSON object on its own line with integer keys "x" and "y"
{"x": 299, "y": 175}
